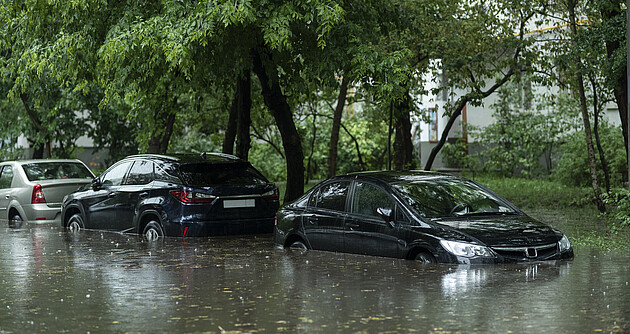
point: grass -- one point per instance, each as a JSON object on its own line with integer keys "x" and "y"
{"x": 569, "y": 209}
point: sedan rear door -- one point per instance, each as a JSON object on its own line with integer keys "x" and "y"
{"x": 323, "y": 220}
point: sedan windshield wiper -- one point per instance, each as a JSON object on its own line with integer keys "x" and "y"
{"x": 488, "y": 213}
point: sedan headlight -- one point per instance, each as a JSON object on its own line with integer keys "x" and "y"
{"x": 564, "y": 244}
{"x": 466, "y": 249}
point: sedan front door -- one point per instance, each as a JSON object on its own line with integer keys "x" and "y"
{"x": 366, "y": 232}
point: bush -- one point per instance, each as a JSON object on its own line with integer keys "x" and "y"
{"x": 573, "y": 166}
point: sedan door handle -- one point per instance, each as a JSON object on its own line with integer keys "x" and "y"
{"x": 352, "y": 225}
{"x": 112, "y": 194}
{"x": 144, "y": 195}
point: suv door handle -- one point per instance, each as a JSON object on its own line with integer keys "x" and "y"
{"x": 144, "y": 195}
{"x": 312, "y": 220}
{"x": 111, "y": 195}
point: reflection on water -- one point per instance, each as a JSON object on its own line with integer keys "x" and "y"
{"x": 102, "y": 282}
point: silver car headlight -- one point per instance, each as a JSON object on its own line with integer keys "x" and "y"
{"x": 465, "y": 249}
{"x": 564, "y": 243}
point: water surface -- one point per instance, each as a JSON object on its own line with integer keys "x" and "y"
{"x": 55, "y": 281}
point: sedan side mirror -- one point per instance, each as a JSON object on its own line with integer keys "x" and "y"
{"x": 387, "y": 215}
{"x": 96, "y": 184}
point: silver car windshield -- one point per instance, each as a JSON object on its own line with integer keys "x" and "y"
{"x": 56, "y": 170}
{"x": 448, "y": 197}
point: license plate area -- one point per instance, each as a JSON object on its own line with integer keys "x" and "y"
{"x": 239, "y": 203}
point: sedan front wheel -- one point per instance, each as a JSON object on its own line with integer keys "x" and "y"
{"x": 75, "y": 224}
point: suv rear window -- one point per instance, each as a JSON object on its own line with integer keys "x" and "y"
{"x": 209, "y": 175}
{"x": 56, "y": 170}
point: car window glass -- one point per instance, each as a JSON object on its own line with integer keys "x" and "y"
{"x": 6, "y": 177}
{"x": 332, "y": 196}
{"x": 141, "y": 173}
{"x": 368, "y": 198}
{"x": 213, "y": 174}
{"x": 56, "y": 170}
{"x": 163, "y": 175}
{"x": 400, "y": 215}
{"x": 114, "y": 176}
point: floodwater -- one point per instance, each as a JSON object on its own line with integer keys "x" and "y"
{"x": 91, "y": 281}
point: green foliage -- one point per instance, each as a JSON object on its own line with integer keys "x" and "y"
{"x": 521, "y": 141}
{"x": 618, "y": 205}
{"x": 572, "y": 166}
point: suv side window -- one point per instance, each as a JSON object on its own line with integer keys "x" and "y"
{"x": 114, "y": 176}
{"x": 367, "y": 198}
{"x": 162, "y": 175}
{"x": 141, "y": 173}
{"x": 6, "y": 176}
{"x": 332, "y": 196}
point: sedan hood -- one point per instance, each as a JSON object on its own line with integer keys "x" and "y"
{"x": 507, "y": 230}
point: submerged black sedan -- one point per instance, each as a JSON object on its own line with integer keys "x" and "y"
{"x": 426, "y": 216}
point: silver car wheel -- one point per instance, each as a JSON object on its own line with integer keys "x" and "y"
{"x": 153, "y": 231}
{"x": 74, "y": 227}
{"x": 152, "y": 234}
{"x": 75, "y": 224}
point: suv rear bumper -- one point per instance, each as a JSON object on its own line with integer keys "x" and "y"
{"x": 220, "y": 227}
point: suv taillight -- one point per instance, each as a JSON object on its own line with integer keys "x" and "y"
{"x": 271, "y": 195}
{"x": 38, "y": 195}
{"x": 187, "y": 196}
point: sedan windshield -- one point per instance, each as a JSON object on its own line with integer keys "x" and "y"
{"x": 56, "y": 170}
{"x": 447, "y": 197}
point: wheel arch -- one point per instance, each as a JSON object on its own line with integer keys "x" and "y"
{"x": 16, "y": 209}
{"x": 69, "y": 211}
{"x": 293, "y": 237}
{"x": 419, "y": 248}
{"x": 146, "y": 216}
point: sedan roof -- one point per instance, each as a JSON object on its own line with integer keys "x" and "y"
{"x": 392, "y": 177}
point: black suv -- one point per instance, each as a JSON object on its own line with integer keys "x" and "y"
{"x": 176, "y": 195}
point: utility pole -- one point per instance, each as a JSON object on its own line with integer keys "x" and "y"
{"x": 628, "y": 77}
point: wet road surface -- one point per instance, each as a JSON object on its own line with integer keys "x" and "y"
{"x": 55, "y": 281}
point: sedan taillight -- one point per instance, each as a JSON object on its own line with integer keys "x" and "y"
{"x": 38, "y": 195}
{"x": 187, "y": 196}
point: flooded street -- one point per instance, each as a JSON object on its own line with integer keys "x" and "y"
{"x": 54, "y": 281}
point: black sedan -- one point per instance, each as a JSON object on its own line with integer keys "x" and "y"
{"x": 426, "y": 216}
{"x": 176, "y": 195}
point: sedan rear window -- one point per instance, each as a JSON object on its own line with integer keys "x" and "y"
{"x": 210, "y": 175}
{"x": 56, "y": 170}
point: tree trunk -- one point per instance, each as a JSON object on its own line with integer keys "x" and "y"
{"x": 587, "y": 124}
{"x": 600, "y": 150}
{"x": 611, "y": 11}
{"x": 336, "y": 125}
{"x": 163, "y": 122}
{"x": 276, "y": 101}
{"x": 244, "y": 120}
{"x": 458, "y": 111}
{"x": 230, "y": 132}
{"x": 403, "y": 145}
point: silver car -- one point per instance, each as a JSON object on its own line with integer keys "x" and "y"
{"x": 33, "y": 190}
